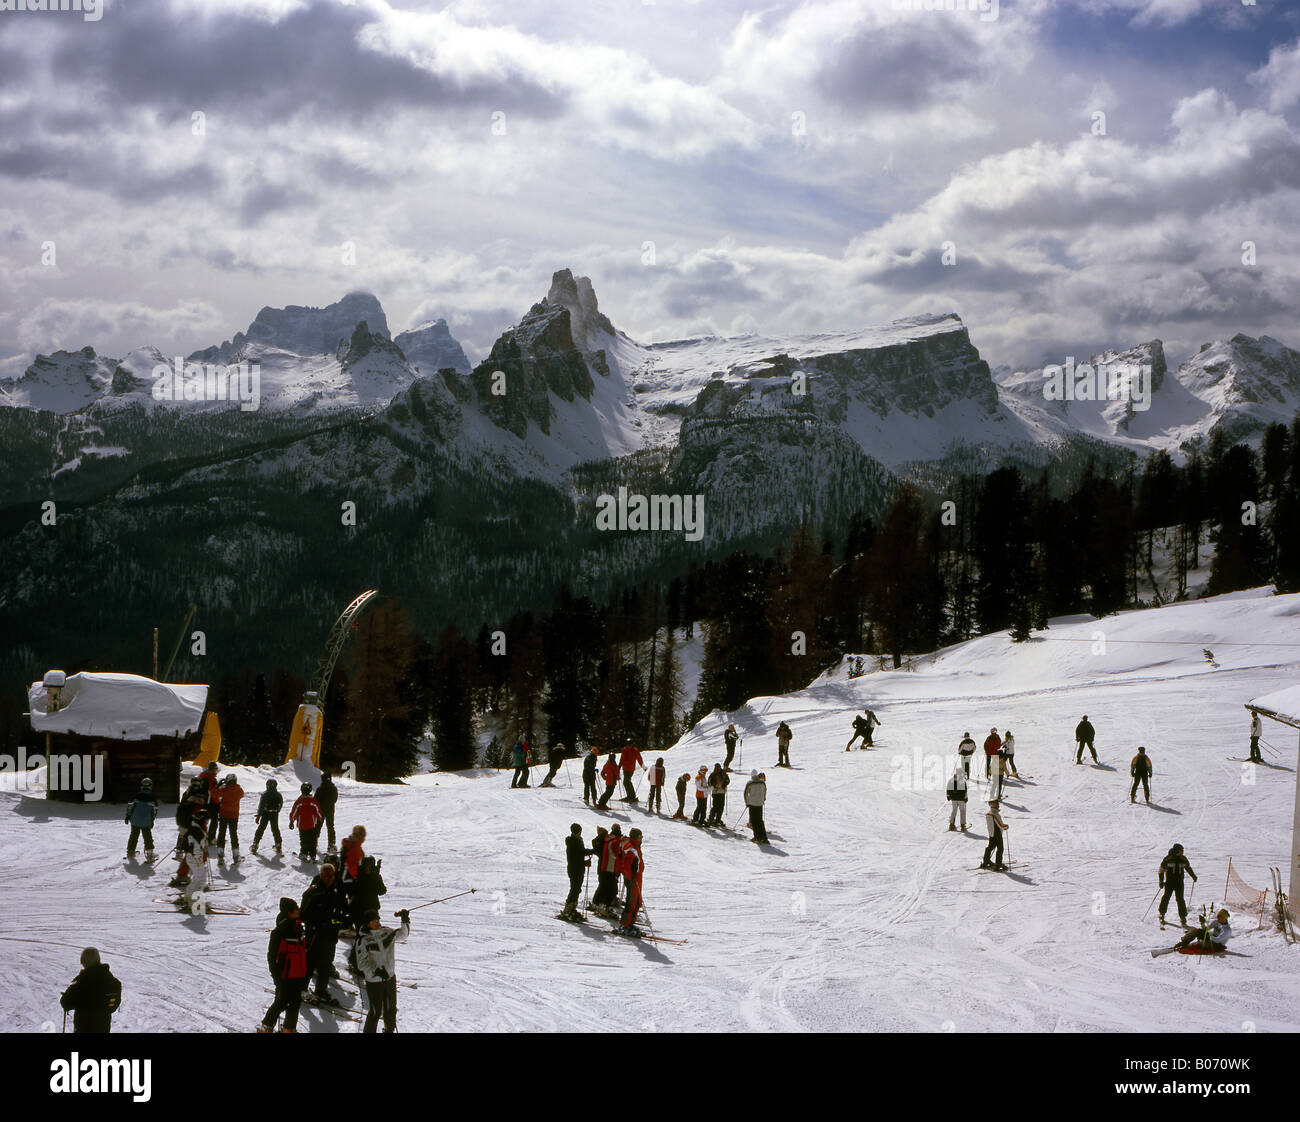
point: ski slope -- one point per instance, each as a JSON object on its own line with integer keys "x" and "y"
{"x": 865, "y": 913}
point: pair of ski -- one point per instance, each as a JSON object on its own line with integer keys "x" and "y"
{"x": 178, "y": 906}
{"x": 1281, "y": 906}
{"x": 1009, "y": 867}
{"x": 1216, "y": 954}
{"x": 580, "y": 919}
{"x": 343, "y": 1014}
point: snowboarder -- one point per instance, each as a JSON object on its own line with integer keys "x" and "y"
{"x": 324, "y": 910}
{"x": 956, "y": 792}
{"x": 327, "y": 796}
{"x": 229, "y": 793}
{"x": 577, "y": 861}
{"x": 1211, "y": 934}
{"x": 966, "y": 749}
{"x": 554, "y": 758}
{"x": 630, "y": 760}
{"x": 286, "y": 956}
{"x": 701, "y": 796}
{"x": 862, "y": 727}
{"x": 268, "y": 814}
{"x": 1009, "y": 755}
{"x": 718, "y": 783}
{"x": 377, "y": 963}
{"x": 607, "y": 869}
{"x": 1083, "y": 734}
{"x": 609, "y": 773}
{"x": 631, "y": 865}
{"x": 141, "y": 812}
{"x": 1141, "y": 770}
{"x": 755, "y": 797}
{"x": 783, "y": 735}
{"x": 520, "y": 760}
{"x": 93, "y": 997}
{"x": 683, "y": 781}
{"x": 589, "y": 775}
{"x": 1171, "y": 873}
{"x": 1256, "y": 730}
{"x": 993, "y": 818}
{"x": 992, "y": 746}
{"x": 658, "y": 777}
{"x": 305, "y": 816}
{"x": 730, "y": 739}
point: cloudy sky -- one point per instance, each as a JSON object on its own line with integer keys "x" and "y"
{"x": 712, "y": 167}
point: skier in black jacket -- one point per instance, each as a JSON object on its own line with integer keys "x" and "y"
{"x": 93, "y": 996}
{"x": 328, "y": 796}
{"x": 589, "y": 795}
{"x": 324, "y": 910}
{"x": 286, "y": 955}
{"x": 1083, "y": 733}
{"x": 577, "y": 860}
{"x": 1141, "y": 770}
{"x": 268, "y": 814}
{"x": 366, "y": 890}
{"x": 1171, "y": 873}
{"x": 730, "y": 738}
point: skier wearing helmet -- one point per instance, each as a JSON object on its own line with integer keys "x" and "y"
{"x": 140, "y": 815}
{"x": 307, "y": 818}
{"x": 268, "y": 814}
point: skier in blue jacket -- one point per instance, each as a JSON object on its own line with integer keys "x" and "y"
{"x": 140, "y": 815}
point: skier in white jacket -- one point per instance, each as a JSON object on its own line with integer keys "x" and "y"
{"x": 755, "y": 797}
{"x": 957, "y": 797}
{"x": 377, "y": 963}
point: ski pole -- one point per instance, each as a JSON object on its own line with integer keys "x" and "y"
{"x": 65, "y": 1021}
{"x": 438, "y": 901}
{"x": 1149, "y": 906}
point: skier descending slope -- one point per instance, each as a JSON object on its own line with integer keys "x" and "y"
{"x": 140, "y": 815}
{"x": 1140, "y": 769}
{"x": 966, "y": 749}
{"x": 1172, "y": 869}
{"x": 783, "y": 735}
{"x": 957, "y": 797}
{"x": 996, "y": 826}
{"x": 554, "y": 758}
{"x": 377, "y": 962}
{"x": 1083, "y": 735}
{"x": 609, "y": 773}
{"x": 268, "y": 814}
{"x": 730, "y": 737}
{"x": 577, "y": 861}
{"x": 286, "y": 956}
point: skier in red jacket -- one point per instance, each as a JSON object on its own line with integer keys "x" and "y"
{"x": 229, "y": 793}
{"x": 609, "y": 773}
{"x": 992, "y": 746}
{"x": 286, "y": 955}
{"x": 307, "y": 817}
{"x": 631, "y": 866}
{"x": 629, "y": 761}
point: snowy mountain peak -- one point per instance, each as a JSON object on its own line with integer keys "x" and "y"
{"x": 586, "y": 322}
{"x": 430, "y": 347}
{"x": 62, "y": 382}
{"x": 304, "y": 330}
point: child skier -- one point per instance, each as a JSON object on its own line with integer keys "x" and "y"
{"x": 306, "y": 817}
{"x": 701, "y": 796}
{"x": 140, "y": 815}
{"x": 229, "y": 794}
{"x": 268, "y": 814}
{"x": 658, "y": 776}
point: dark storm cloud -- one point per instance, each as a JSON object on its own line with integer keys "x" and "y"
{"x": 96, "y": 171}
{"x": 267, "y": 198}
{"x": 894, "y": 67}
{"x": 310, "y": 62}
{"x": 930, "y": 274}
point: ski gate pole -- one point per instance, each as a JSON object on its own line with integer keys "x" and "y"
{"x": 438, "y": 901}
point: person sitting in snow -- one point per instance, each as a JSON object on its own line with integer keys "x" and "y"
{"x": 1211, "y": 934}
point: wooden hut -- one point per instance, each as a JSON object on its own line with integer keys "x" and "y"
{"x": 128, "y": 727}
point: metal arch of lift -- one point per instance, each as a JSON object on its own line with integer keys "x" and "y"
{"x": 338, "y": 636}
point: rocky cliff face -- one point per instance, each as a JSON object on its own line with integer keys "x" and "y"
{"x": 303, "y": 330}
{"x": 430, "y": 348}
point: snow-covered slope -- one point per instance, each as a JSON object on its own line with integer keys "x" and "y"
{"x": 864, "y": 912}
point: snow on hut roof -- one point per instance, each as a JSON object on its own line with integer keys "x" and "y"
{"x": 119, "y": 706}
{"x": 1281, "y": 705}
